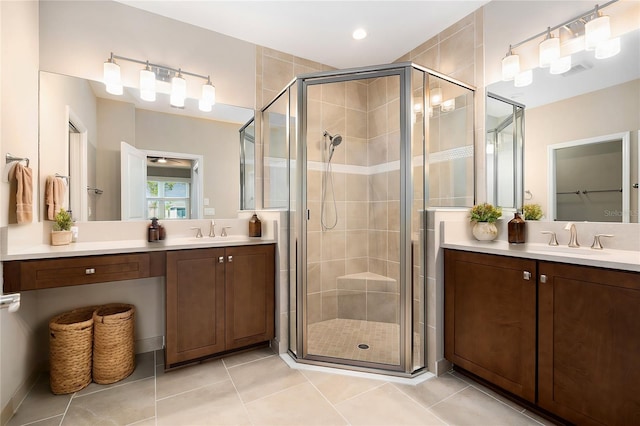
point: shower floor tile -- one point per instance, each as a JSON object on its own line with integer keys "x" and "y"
{"x": 339, "y": 338}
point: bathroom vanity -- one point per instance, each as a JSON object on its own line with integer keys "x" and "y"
{"x": 560, "y": 335}
{"x": 219, "y": 293}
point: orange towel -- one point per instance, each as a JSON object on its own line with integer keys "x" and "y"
{"x": 23, "y": 193}
{"x": 54, "y": 194}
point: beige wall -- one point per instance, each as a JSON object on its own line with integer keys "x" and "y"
{"x": 19, "y": 136}
{"x": 591, "y": 115}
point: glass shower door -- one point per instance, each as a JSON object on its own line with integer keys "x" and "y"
{"x": 353, "y": 285}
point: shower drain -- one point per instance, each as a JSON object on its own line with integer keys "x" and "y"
{"x": 363, "y": 346}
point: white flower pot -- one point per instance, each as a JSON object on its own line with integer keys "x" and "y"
{"x": 60, "y": 238}
{"x": 485, "y": 231}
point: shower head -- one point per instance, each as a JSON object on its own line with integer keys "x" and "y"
{"x": 335, "y": 139}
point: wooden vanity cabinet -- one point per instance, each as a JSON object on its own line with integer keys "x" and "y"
{"x": 589, "y": 344}
{"x": 218, "y": 300}
{"x": 588, "y": 332}
{"x": 490, "y": 318}
{"x": 195, "y": 304}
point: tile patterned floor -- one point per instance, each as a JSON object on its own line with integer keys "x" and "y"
{"x": 258, "y": 388}
{"x": 339, "y": 338}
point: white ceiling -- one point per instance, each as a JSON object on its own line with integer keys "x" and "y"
{"x": 321, "y": 30}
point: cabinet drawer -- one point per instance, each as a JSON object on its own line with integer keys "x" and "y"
{"x": 51, "y": 273}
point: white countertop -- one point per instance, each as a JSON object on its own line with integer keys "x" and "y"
{"x": 45, "y": 251}
{"x": 627, "y": 260}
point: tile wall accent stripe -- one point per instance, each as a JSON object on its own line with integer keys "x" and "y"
{"x": 451, "y": 154}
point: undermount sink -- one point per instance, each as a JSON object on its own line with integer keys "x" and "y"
{"x": 581, "y": 251}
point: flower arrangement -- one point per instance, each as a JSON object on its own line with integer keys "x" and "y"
{"x": 532, "y": 211}
{"x": 63, "y": 221}
{"x": 485, "y": 212}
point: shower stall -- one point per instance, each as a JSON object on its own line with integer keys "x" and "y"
{"x": 357, "y": 157}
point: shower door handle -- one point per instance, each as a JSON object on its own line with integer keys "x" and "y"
{"x": 308, "y": 214}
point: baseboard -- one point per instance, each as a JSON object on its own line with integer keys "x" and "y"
{"x": 14, "y": 402}
{"x": 149, "y": 344}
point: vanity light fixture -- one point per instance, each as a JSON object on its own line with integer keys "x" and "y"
{"x": 112, "y": 78}
{"x": 153, "y": 72}
{"x": 510, "y": 65}
{"x": 548, "y": 50}
{"x": 436, "y": 96}
{"x": 596, "y": 30}
{"x": 178, "y": 90}
{"x": 147, "y": 84}
{"x": 588, "y": 31}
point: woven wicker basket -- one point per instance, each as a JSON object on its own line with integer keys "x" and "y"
{"x": 70, "y": 345}
{"x": 113, "y": 343}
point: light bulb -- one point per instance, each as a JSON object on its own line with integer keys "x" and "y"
{"x": 204, "y": 106}
{"x": 596, "y": 31}
{"x": 549, "y": 50}
{"x": 436, "y": 96}
{"x": 523, "y": 79}
{"x": 560, "y": 65}
{"x": 111, "y": 76}
{"x": 178, "y": 91}
{"x": 608, "y": 48}
{"x": 510, "y": 66}
{"x": 147, "y": 84}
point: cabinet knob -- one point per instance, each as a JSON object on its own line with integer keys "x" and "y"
{"x": 221, "y": 259}
{"x": 526, "y": 275}
{"x": 543, "y": 278}
{"x": 89, "y": 271}
{"x": 230, "y": 259}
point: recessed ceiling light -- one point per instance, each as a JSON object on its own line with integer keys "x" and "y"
{"x": 359, "y": 34}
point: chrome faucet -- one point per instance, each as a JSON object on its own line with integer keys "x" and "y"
{"x": 224, "y": 231}
{"x": 198, "y": 233}
{"x": 212, "y": 229}
{"x": 573, "y": 239}
{"x": 597, "y": 245}
{"x": 553, "y": 241}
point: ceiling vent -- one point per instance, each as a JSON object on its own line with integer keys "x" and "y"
{"x": 578, "y": 68}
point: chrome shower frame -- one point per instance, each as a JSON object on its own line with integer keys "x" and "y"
{"x": 297, "y": 259}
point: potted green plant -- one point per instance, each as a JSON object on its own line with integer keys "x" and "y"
{"x": 61, "y": 231}
{"x": 532, "y": 211}
{"x": 483, "y": 216}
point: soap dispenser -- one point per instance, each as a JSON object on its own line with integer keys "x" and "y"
{"x": 255, "y": 226}
{"x": 153, "y": 232}
{"x": 516, "y": 229}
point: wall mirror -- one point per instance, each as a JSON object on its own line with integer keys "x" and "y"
{"x": 248, "y": 165}
{"x": 192, "y": 157}
{"x": 596, "y": 98}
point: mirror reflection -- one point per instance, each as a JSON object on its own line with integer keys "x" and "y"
{"x": 594, "y": 99}
{"x": 187, "y": 163}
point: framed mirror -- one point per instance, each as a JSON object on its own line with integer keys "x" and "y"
{"x": 81, "y": 131}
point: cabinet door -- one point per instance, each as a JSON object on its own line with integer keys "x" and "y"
{"x": 589, "y": 344}
{"x": 490, "y": 318}
{"x": 195, "y": 304}
{"x": 249, "y": 295}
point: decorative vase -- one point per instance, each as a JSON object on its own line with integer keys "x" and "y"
{"x": 61, "y": 238}
{"x": 485, "y": 231}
